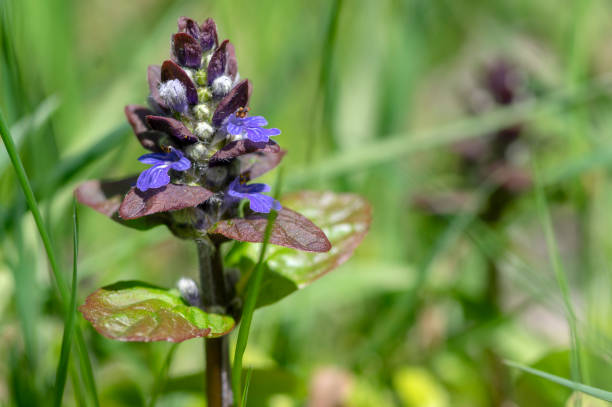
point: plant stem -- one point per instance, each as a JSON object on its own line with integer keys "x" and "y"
{"x": 214, "y": 296}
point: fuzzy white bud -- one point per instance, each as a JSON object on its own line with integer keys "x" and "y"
{"x": 222, "y": 85}
{"x": 189, "y": 291}
{"x": 201, "y": 111}
{"x": 203, "y": 130}
{"x": 174, "y": 94}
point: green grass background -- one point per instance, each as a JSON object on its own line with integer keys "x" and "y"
{"x": 370, "y": 96}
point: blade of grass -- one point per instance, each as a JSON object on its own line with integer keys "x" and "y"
{"x": 251, "y": 301}
{"x": 557, "y": 265}
{"x": 60, "y": 280}
{"x": 583, "y": 388}
{"x": 399, "y": 145}
{"x": 31, "y": 122}
{"x": 247, "y": 382}
{"x": 162, "y": 376}
{"x": 62, "y": 367}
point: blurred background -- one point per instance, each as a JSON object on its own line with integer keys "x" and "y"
{"x": 478, "y": 130}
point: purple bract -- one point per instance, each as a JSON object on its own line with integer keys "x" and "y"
{"x": 157, "y": 176}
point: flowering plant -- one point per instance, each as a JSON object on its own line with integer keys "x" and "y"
{"x": 205, "y": 148}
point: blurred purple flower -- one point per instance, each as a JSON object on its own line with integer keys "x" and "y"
{"x": 157, "y": 176}
{"x": 250, "y": 127}
{"x": 258, "y": 202}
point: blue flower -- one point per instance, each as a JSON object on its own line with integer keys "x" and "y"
{"x": 250, "y": 127}
{"x": 157, "y": 176}
{"x": 258, "y": 201}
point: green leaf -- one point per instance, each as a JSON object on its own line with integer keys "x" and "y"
{"x": 139, "y": 312}
{"x": 345, "y": 219}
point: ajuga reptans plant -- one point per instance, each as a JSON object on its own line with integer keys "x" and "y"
{"x": 206, "y": 147}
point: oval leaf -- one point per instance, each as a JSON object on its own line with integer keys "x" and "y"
{"x": 172, "y": 127}
{"x": 290, "y": 229}
{"x": 171, "y": 197}
{"x": 138, "y": 312}
{"x": 136, "y": 117}
{"x": 154, "y": 79}
{"x": 345, "y": 219}
{"x": 186, "y": 50}
{"x": 105, "y": 197}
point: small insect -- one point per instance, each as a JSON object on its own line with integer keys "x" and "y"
{"x": 242, "y": 112}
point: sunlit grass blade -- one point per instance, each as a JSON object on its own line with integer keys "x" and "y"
{"x": 557, "y": 265}
{"x": 29, "y": 123}
{"x": 591, "y": 391}
{"x": 399, "y": 145}
{"x": 62, "y": 367}
{"x": 60, "y": 280}
{"x": 162, "y": 376}
{"x": 251, "y": 300}
{"x": 247, "y": 382}
{"x": 71, "y": 166}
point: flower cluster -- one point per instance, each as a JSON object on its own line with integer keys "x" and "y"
{"x": 204, "y": 146}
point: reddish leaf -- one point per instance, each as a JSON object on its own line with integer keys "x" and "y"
{"x": 170, "y": 70}
{"x": 171, "y": 197}
{"x": 154, "y": 79}
{"x": 208, "y": 35}
{"x": 222, "y": 62}
{"x": 237, "y": 98}
{"x": 138, "y": 312}
{"x": 147, "y": 138}
{"x": 105, "y": 197}
{"x": 290, "y": 230}
{"x": 186, "y": 50}
{"x": 172, "y": 127}
{"x": 241, "y": 147}
{"x": 258, "y": 163}
{"x": 187, "y": 25}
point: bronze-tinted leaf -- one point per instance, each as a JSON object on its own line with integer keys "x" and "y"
{"x": 290, "y": 230}
{"x": 241, "y": 147}
{"x": 136, "y": 117}
{"x": 258, "y": 163}
{"x": 345, "y": 219}
{"x": 170, "y": 70}
{"x": 171, "y": 197}
{"x": 222, "y": 62}
{"x": 208, "y": 35}
{"x": 106, "y": 196}
{"x": 237, "y": 98}
{"x": 186, "y": 50}
{"x": 172, "y": 127}
{"x": 154, "y": 79}
{"x": 139, "y": 312}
